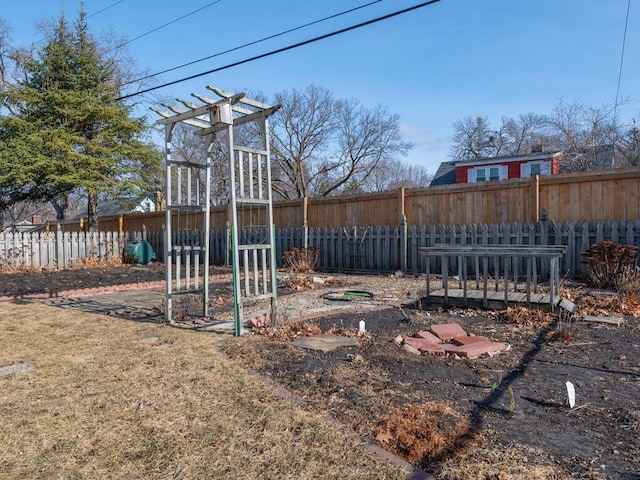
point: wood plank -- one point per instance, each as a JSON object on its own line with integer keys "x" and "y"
{"x": 475, "y": 294}
{"x": 496, "y": 296}
{"x": 517, "y": 297}
{"x": 540, "y": 298}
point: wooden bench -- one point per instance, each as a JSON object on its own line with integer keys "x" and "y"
{"x": 511, "y": 256}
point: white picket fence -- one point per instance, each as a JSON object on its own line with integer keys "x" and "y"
{"x": 59, "y": 250}
{"x": 365, "y": 249}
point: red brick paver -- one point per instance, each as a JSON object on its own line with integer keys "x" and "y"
{"x": 475, "y": 349}
{"x": 428, "y": 336}
{"x": 467, "y": 339}
{"x": 424, "y": 345}
{"x": 447, "y": 331}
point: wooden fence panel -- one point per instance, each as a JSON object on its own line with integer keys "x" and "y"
{"x": 584, "y": 196}
{"x": 372, "y": 249}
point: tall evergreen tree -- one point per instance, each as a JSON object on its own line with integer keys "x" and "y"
{"x": 68, "y": 131}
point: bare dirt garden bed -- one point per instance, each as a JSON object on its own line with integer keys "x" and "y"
{"x": 504, "y": 415}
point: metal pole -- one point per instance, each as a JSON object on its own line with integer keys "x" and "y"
{"x": 168, "y": 246}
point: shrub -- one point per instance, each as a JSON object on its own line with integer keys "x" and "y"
{"x": 609, "y": 265}
{"x": 629, "y": 291}
{"x": 302, "y": 259}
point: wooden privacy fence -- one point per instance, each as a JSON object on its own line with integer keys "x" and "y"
{"x": 378, "y": 250}
{"x": 606, "y": 195}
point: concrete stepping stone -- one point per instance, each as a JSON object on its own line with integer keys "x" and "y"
{"x": 325, "y": 343}
{"x": 150, "y": 340}
{"x": 610, "y": 320}
{"x": 16, "y": 368}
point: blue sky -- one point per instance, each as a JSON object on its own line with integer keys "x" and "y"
{"x": 431, "y": 66}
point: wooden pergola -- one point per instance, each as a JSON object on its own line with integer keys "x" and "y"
{"x": 188, "y": 196}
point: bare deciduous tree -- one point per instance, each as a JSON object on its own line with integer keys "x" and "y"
{"x": 472, "y": 138}
{"x": 590, "y": 137}
{"x": 394, "y": 174}
{"x": 523, "y": 133}
{"x": 629, "y": 147}
{"x": 323, "y": 146}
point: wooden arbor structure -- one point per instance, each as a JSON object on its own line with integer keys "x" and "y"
{"x": 188, "y": 199}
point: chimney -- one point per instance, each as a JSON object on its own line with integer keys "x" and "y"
{"x": 36, "y": 219}
{"x": 537, "y": 148}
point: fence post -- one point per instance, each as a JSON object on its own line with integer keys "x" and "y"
{"x": 403, "y": 231}
{"x": 544, "y": 240}
{"x": 534, "y": 207}
{"x": 59, "y": 248}
{"x": 305, "y": 223}
{"x": 403, "y": 244}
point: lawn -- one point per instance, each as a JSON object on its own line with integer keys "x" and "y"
{"x": 111, "y": 398}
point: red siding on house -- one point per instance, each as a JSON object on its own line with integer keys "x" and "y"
{"x": 461, "y": 174}
{"x": 513, "y": 167}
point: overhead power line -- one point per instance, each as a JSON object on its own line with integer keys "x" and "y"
{"x": 283, "y": 49}
{"x": 166, "y": 24}
{"x": 105, "y": 8}
{"x": 624, "y": 41}
{"x": 270, "y": 37}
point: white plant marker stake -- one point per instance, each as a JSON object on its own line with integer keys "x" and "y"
{"x": 571, "y": 393}
{"x": 361, "y": 326}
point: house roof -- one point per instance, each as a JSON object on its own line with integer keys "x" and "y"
{"x": 445, "y": 175}
{"x": 22, "y": 226}
{"x": 528, "y": 157}
{"x": 111, "y": 207}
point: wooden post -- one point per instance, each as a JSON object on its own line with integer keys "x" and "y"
{"x": 544, "y": 241}
{"x": 403, "y": 244}
{"x": 305, "y": 221}
{"x": 120, "y": 223}
{"x": 59, "y": 249}
{"x": 403, "y": 231}
{"x": 534, "y": 205}
{"x": 401, "y": 202}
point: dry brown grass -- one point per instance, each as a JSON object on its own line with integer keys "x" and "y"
{"x": 101, "y": 403}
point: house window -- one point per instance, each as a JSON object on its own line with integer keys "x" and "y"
{"x": 484, "y": 174}
{"x": 535, "y": 168}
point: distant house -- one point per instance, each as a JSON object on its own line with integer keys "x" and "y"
{"x": 24, "y": 226}
{"x": 498, "y": 168}
{"x": 117, "y": 207}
